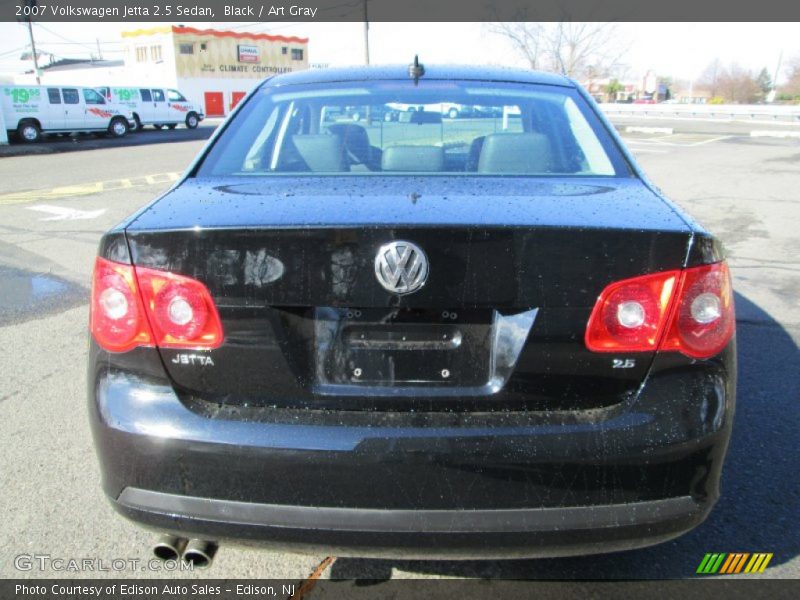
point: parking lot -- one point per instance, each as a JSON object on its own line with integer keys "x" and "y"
{"x": 56, "y": 203}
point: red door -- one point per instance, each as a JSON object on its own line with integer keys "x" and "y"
{"x": 215, "y": 107}
{"x": 236, "y": 98}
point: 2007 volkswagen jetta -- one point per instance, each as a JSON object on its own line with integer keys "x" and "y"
{"x": 399, "y": 312}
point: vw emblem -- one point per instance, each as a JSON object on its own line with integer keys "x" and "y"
{"x": 401, "y": 267}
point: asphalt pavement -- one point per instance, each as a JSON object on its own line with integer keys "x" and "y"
{"x": 54, "y": 207}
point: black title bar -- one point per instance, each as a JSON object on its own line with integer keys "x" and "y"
{"x": 399, "y": 589}
{"x": 400, "y": 10}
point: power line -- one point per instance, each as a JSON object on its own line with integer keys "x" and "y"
{"x": 58, "y": 35}
{"x": 14, "y": 51}
{"x": 85, "y": 44}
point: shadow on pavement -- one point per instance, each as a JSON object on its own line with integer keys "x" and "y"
{"x": 76, "y": 142}
{"x": 760, "y": 493}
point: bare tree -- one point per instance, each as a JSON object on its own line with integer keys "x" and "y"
{"x": 738, "y": 85}
{"x": 732, "y": 83}
{"x": 570, "y": 48}
{"x": 792, "y": 85}
{"x": 527, "y": 39}
{"x": 575, "y": 48}
{"x": 710, "y": 77}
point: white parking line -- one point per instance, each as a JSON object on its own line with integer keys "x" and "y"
{"x": 62, "y": 213}
{"x": 637, "y": 129}
{"x": 650, "y": 150}
{"x": 775, "y": 134}
{"x": 663, "y": 141}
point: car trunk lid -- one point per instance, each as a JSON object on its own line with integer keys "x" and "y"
{"x": 514, "y": 270}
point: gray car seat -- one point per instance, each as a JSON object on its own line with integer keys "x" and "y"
{"x": 515, "y": 153}
{"x": 357, "y": 146}
{"x": 321, "y": 153}
{"x": 413, "y": 158}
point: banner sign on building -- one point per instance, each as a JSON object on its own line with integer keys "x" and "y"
{"x": 248, "y": 54}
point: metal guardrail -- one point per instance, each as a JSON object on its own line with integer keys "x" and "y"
{"x": 706, "y": 111}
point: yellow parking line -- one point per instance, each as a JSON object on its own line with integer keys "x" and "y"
{"x": 85, "y": 189}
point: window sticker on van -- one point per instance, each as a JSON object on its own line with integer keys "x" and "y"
{"x": 126, "y": 94}
{"x": 23, "y": 100}
{"x": 21, "y": 95}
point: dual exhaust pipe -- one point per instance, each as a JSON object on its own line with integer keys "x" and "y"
{"x": 199, "y": 553}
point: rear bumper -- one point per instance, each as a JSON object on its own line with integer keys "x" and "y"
{"x": 437, "y": 485}
{"x": 420, "y": 533}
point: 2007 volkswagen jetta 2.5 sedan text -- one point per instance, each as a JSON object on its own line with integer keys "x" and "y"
{"x": 413, "y": 313}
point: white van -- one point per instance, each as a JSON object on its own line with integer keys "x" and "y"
{"x": 160, "y": 107}
{"x": 31, "y": 111}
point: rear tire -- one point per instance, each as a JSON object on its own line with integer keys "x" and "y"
{"x": 29, "y": 132}
{"x": 118, "y": 127}
{"x": 192, "y": 121}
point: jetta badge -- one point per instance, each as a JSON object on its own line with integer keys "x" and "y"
{"x": 401, "y": 267}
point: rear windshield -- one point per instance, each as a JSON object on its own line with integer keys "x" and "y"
{"x": 398, "y": 128}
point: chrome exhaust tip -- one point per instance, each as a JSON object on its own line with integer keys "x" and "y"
{"x": 169, "y": 547}
{"x": 199, "y": 553}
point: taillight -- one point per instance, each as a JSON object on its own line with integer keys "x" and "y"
{"x": 135, "y": 306}
{"x": 703, "y": 319}
{"x": 181, "y": 310}
{"x": 117, "y": 319}
{"x": 689, "y": 311}
{"x": 631, "y": 315}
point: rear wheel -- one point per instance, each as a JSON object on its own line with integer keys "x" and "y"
{"x": 29, "y": 132}
{"x": 192, "y": 121}
{"x": 118, "y": 127}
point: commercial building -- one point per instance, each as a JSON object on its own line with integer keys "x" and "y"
{"x": 216, "y": 68}
{"x": 212, "y": 67}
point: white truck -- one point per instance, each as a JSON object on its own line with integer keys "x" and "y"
{"x": 32, "y": 111}
{"x": 156, "y": 106}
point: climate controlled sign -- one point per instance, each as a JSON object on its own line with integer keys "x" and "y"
{"x": 249, "y": 54}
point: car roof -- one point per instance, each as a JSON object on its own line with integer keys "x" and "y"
{"x": 437, "y": 72}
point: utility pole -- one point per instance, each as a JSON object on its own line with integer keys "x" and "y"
{"x": 366, "y": 34}
{"x": 99, "y": 51}
{"x": 774, "y": 91}
{"x": 33, "y": 52}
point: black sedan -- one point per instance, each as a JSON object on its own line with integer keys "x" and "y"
{"x": 428, "y": 337}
